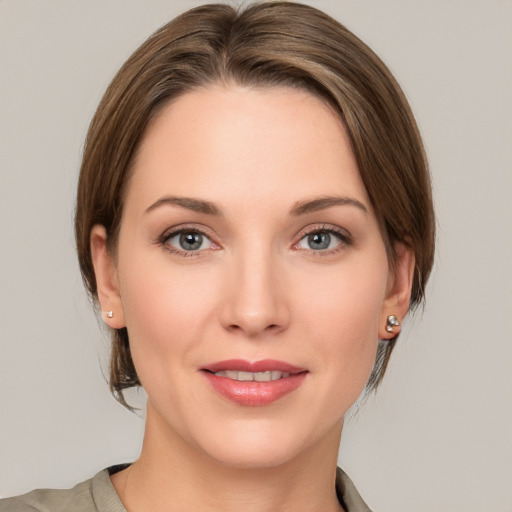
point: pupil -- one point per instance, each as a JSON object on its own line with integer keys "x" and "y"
{"x": 319, "y": 240}
{"x": 191, "y": 241}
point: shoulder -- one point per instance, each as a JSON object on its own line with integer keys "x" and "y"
{"x": 94, "y": 495}
{"x": 79, "y": 498}
{"x": 348, "y": 495}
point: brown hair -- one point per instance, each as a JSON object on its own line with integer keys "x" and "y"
{"x": 264, "y": 44}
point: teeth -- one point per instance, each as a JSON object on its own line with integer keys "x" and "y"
{"x": 265, "y": 376}
{"x": 250, "y": 376}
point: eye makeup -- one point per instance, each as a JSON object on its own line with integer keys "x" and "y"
{"x": 316, "y": 240}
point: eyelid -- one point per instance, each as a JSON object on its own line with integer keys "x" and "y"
{"x": 324, "y": 228}
{"x": 342, "y": 234}
{"x": 185, "y": 228}
{"x": 313, "y": 228}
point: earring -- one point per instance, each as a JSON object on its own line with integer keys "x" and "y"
{"x": 109, "y": 314}
{"x": 392, "y": 322}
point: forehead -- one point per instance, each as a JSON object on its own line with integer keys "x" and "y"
{"x": 256, "y": 144}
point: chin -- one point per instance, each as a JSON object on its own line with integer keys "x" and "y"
{"x": 257, "y": 456}
{"x": 260, "y": 445}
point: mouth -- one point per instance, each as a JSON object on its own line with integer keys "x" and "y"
{"x": 268, "y": 376}
{"x": 256, "y": 383}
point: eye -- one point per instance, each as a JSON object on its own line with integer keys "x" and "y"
{"x": 323, "y": 240}
{"x": 318, "y": 241}
{"x": 188, "y": 241}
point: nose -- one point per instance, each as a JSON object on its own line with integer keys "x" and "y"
{"x": 255, "y": 300}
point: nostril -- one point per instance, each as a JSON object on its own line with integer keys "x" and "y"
{"x": 254, "y": 331}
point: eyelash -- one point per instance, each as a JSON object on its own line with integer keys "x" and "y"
{"x": 344, "y": 238}
{"x": 168, "y": 235}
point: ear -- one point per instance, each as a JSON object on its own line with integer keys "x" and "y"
{"x": 398, "y": 291}
{"x": 105, "y": 270}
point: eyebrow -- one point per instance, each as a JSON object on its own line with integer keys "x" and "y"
{"x": 299, "y": 208}
{"x": 190, "y": 203}
{"x": 321, "y": 203}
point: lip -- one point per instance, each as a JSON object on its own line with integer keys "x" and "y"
{"x": 253, "y": 393}
{"x": 263, "y": 365}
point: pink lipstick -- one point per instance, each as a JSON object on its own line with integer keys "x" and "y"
{"x": 255, "y": 383}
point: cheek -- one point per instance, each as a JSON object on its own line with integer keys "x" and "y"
{"x": 346, "y": 301}
{"x": 341, "y": 312}
{"x": 164, "y": 312}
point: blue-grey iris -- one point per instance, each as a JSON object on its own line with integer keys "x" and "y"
{"x": 191, "y": 241}
{"x": 319, "y": 241}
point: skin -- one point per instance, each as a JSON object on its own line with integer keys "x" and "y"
{"x": 256, "y": 289}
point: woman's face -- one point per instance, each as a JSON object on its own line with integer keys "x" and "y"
{"x": 248, "y": 249}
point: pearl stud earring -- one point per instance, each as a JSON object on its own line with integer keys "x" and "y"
{"x": 392, "y": 322}
{"x": 109, "y": 314}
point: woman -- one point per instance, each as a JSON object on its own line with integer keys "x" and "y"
{"x": 254, "y": 219}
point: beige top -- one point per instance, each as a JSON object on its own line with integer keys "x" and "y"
{"x": 98, "y": 495}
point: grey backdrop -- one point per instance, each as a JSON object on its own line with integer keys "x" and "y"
{"x": 438, "y": 435}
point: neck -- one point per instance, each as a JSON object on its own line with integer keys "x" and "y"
{"x": 172, "y": 475}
